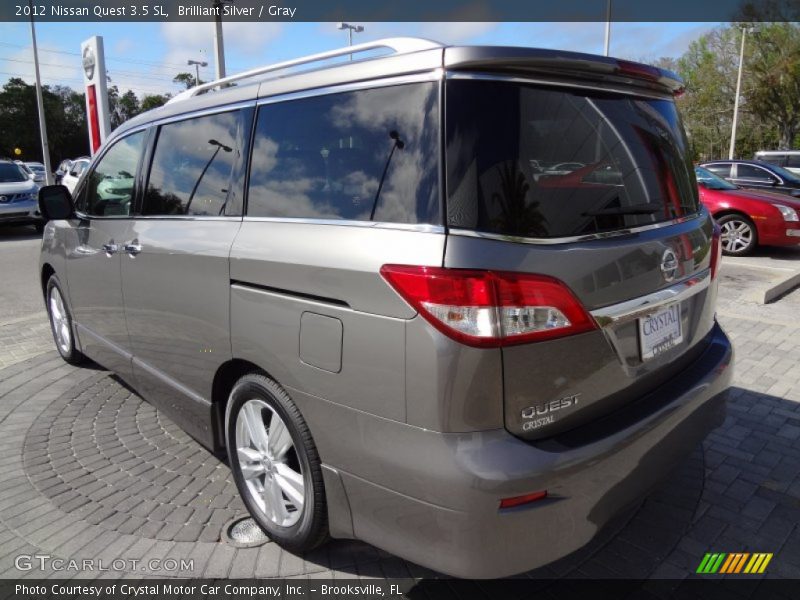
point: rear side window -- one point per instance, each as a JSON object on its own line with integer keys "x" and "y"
{"x": 194, "y": 166}
{"x": 773, "y": 159}
{"x": 368, "y": 155}
{"x": 753, "y": 173}
{"x": 793, "y": 161}
{"x": 543, "y": 162}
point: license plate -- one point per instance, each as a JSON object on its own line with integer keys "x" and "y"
{"x": 659, "y": 331}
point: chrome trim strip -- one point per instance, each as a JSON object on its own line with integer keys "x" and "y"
{"x": 169, "y": 381}
{"x": 632, "y": 309}
{"x": 420, "y": 227}
{"x": 571, "y": 239}
{"x": 421, "y": 77}
{"x": 558, "y": 82}
{"x": 99, "y": 338}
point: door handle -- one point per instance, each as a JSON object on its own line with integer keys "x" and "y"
{"x": 133, "y": 248}
{"x": 111, "y": 248}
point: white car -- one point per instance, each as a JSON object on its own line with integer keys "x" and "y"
{"x": 39, "y": 172}
{"x": 70, "y": 180}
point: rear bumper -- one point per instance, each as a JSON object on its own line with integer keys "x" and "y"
{"x": 436, "y": 499}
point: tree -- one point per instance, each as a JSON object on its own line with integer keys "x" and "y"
{"x": 186, "y": 79}
{"x": 775, "y": 68}
{"x": 150, "y": 102}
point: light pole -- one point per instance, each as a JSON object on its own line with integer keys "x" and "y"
{"x": 607, "y": 44}
{"x": 738, "y": 92}
{"x": 197, "y": 64}
{"x": 40, "y": 104}
{"x": 219, "y": 46}
{"x": 350, "y": 29}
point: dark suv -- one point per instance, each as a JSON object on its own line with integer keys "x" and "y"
{"x": 457, "y": 302}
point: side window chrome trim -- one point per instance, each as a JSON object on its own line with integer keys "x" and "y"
{"x": 419, "y": 227}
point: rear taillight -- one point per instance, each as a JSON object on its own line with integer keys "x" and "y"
{"x": 489, "y": 309}
{"x": 716, "y": 250}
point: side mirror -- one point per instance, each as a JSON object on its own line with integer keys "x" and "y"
{"x": 32, "y": 176}
{"x": 55, "y": 202}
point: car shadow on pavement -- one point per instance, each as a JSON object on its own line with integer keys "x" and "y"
{"x": 18, "y": 233}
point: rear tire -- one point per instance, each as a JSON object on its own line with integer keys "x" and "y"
{"x": 739, "y": 235}
{"x": 275, "y": 464}
{"x": 61, "y": 323}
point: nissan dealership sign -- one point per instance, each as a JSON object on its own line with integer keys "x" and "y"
{"x": 94, "y": 80}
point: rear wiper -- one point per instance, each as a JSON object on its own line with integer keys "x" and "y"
{"x": 636, "y": 209}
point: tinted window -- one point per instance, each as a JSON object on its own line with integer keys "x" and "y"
{"x": 542, "y": 162}
{"x": 193, "y": 167}
{"x": 793, "y": 161}
{"x": 365, "y": 155}
{"x": 721, "y": 170}
{"x": 773, "y": 159}
{"x": 108, "y": 191}
{"x": 751, "y": 172}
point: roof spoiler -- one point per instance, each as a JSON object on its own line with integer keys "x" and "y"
{"x": 572, "y": 65}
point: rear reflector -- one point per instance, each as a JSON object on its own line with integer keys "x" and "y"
{"x": 489, "y": 309}
{"x": 716, "y": 250}
{"x": 520, "y": 500}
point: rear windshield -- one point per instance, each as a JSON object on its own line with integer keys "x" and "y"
{"x": 544, "y": 162}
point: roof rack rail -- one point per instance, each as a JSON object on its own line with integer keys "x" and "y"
{"x": 399, "y": 45}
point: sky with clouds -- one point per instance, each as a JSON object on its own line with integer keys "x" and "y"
{"x": 145, "y": 57}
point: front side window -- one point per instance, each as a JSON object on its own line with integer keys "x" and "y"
{"x": 193, "y": 166}
{"x": 109, "y": 189}
{"x": 545, "y": 162}
{"x": 368, "y": 155}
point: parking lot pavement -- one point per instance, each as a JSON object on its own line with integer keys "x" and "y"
{"x": 91, "y": 471}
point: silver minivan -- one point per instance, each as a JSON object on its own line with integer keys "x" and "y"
{"x": 456, "y": 302}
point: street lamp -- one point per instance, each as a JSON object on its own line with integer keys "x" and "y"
{"x": 745, "y": 30}
{"x": 350, "y": 29}
{"x": 197, "y": 64}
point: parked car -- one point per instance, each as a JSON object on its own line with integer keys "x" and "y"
{"x": 474, "y": 377}
{"x": 749, "y": 218}
{"x": 63, "y": 169}
{"x": 76, "y": 169}
{"x": 756, "y": 175}
{"x": 788, "y": 159}
{"x": 18, "y": 197}
{"x": 37, "y": 178}
{"x": 38, "y": 169}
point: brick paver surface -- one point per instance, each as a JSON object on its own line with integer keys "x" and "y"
{"x": 90, "y": 471}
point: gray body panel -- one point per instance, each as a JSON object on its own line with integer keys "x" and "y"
{"x": 420, "y": 435}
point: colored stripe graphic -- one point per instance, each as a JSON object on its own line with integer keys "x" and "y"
{"x": 734, "y": 563}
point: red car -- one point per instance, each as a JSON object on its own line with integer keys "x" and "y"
{"x": 749, "y": 218}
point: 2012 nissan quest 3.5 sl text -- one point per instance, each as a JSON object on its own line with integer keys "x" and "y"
{"x": 457, "y": 302}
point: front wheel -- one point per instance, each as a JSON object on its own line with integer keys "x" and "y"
{"x": 739, "y": 236}
{"x": 275, "y": 464}
{"x": 61, "y": 323}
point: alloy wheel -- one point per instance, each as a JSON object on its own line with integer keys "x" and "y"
{"x": 59, "y": 321}
{"x": 268, "y": 460}
{"x": 736, "y": 236}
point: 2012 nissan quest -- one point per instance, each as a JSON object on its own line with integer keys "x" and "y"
{"x": 457, "y": 302}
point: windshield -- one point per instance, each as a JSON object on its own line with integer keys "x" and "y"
{"x": 545, "y": 162}
{"x": 11, "y": 173}
{"x": 36, "y": 168}
{"x": 713, "y": 182}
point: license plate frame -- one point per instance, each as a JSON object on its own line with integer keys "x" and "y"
{"x": 659, "y": 331}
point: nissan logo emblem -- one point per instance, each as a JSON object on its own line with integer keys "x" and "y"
{"x": 669, "y": 264}
{"x": 88, "y": 62}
